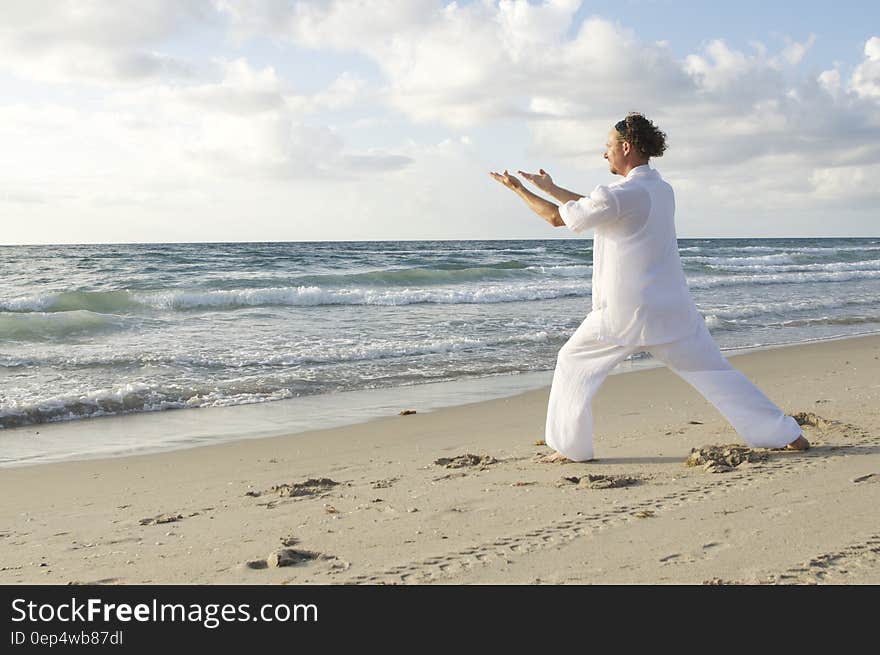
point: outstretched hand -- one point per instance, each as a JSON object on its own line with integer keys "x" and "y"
{"x": 541, "y": 179}
{"x": 508, "y": 180}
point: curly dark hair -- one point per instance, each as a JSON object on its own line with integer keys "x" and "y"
{"x": 644, "y": 136}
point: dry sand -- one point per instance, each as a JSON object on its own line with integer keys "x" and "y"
{"x": 369, "y": 503}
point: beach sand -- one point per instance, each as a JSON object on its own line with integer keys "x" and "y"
{"x": 380, "y": 509}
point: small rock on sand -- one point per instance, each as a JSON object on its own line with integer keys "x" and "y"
{"x": 310, "y": 487}
{"x": 598, "y": 481}
{"x": 812, "y": 420}
{"x": 467, "y": 459}
{"x": 161, "y": 518}
{"x": 290, "y": 557}
{"x": 718, "y": 459}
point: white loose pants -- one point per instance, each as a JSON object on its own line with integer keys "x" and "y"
{"x": 583, "y": 363}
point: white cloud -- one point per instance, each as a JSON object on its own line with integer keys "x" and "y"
{"x": 735, "y": 79}
{"x": 471, "y": 64}
{"x": 845, "y": 181}
{"x": 748, "y": 131}
{"x": 866, "y": 76}
{"x": 159, "y": 142}
{"x": 104, "y": 24}
{"x": 249, "y": 124}
{"x": 830, "y": 81}
{"x": 462, "y": 65}
{"x": 719, "y": 66}
{"x": 872, "y": 48}
{"x": 794, "y": 52}
{"x": 96, "y": 42}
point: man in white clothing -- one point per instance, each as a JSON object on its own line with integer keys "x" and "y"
{"x": 640, "y": 300}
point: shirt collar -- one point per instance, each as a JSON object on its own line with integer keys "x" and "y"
{"x": 644, "y": 169}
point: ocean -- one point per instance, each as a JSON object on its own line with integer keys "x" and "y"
{"x": 125, "y": 329}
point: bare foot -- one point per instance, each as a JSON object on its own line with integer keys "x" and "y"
{"x": 799, "y": 444}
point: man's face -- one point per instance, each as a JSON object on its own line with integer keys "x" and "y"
{"x": 614, "y": 152}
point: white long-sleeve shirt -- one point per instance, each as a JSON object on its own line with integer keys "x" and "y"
{"x": 640, "y": 294}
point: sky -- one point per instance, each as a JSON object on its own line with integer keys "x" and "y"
{"x": 126, "y": 121}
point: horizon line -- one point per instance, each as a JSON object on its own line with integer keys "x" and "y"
{"x": 174, "y": 243}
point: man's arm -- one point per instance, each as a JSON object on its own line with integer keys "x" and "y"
{"x": 542, "y": 207}
{"x": 563, "y": 195}
{"x": 579, "y": 214}
{"x": 545, "y": 183}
